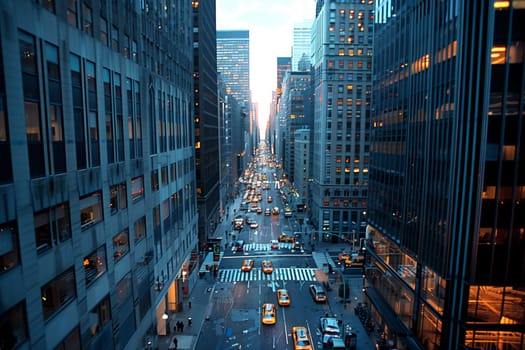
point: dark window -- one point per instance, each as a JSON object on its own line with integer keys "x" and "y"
{"x": 72, "y": 11}
{"x": 71, "y": 341}
{"x": 55, "y": 115}
{"x": 120, "y": 244}
{"x": 78, "y": 111}
{"x": 6, "y": 175}
{"x": 117, "y": 197}
{"x": 52, "y": 226}
{"x": 91, "y": 209}
{"x": 99, "y": 316}
{"x": 28, "y": 61}
{"x": 49, "y": 5}
{"x": 13, "y": 327}
{"x": 87, "y": 15}
{"x": 58, "y": 292}
{"x": 109, "y": 116}
{"x": 95, "y": 264}
{"x": 92, "y": 113}
{"x": 9, "y": 255}
{"x": 139, "y": 228}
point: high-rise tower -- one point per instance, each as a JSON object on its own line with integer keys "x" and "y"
{"x": 342, "y": 36}
{"x": 446, "y": 234}
{"x": 206, "y": 116}
{"x": 98, "y": 217}
{"x": 233, "y": 64}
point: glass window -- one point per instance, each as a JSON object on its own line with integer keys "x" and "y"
{"x": 104, "y": 31}
{"x": 71, "y": 341}
{"x": 117, "y": 197}
{"x": 58, "y": 292}
{"x": 139, "y": 228}
{"x": 99, "y": 316}
{"x": 49, "y": 5}
{"x": 87, "y": 19}
{"x": 9, "y": 255}
{"x": 164, "y": 175}
{"x": 120, "y": 244}
{"x": 91, "y": 209}
{"x": 52, "y": 226}
{"x": 114, "y": 38}
{"x": 137, "y": 188}
{"x": 154, "y": 180}
{"x": 13, "y": 327}
{"x": 95, "y": 264}
{"x": 72, "y": 12}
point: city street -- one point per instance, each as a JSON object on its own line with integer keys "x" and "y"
{"x": 233, "y": 298}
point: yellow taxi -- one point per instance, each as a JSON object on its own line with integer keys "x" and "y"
{"x": 268, "y": 314}
{"x": 343, "y": 256}
{"x": 301, "y": 338}
{"x": 286, "y": 238}
{"x": 267, "y": 266}
{"x": 283, "y": 298}
{"x": 247, "y": 265}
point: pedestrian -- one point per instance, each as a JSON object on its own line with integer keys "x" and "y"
{"x": 189, "y": 304}
{"x": 174, "y": 344}
{"x": 181, "y": 326}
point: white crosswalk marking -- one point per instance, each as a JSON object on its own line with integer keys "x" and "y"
{"x": 278, "y": 274}
{"x": 258, "y": 247}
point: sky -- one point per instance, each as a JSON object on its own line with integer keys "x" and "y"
{"x": 270, "y": 23}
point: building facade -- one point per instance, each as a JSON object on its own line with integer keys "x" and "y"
{"x": 292, "y": 107}
{"x": 233, "y": 64}
{"x": 98, "y": 218}
{"x": 301, "y": 42}
{"x": 342, "y": 39}
{"x": 206, "y": 117}
{"x": 446, "y": 219}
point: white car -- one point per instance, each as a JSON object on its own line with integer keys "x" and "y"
{"x": 254, "y": 225}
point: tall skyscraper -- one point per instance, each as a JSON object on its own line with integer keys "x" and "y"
{"x": 98, "y": 217}
{"x": 301, "y": 43}
{"x": 284, "y": 64}
{"x": 295, "y": 84}
{"x": 205, "y": 105}
{"x": 446, "y": 242}
{"x": 342, "y": 59}
{"x": 233, "y": 64}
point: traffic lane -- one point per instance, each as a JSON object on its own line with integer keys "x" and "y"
{"x": 304, "y": 311}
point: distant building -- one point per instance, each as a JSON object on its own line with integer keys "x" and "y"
{"x": 302, "y": 164}
{"x": 233, "y": 64}
{"x": 206, "y": 117}
{"x": 446, "y": 217}
{"x": 342, "y": 39}
{"x": 98, "y": 216}
{"x": 301, "y": 43}
{"x": 292, "y": 110}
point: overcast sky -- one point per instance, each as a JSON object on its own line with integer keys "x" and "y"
{"x": 270, "y": 23}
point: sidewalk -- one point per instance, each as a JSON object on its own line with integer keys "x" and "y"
{"x": 200, "y": 307}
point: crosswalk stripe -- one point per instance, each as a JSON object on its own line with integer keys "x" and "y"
{"x": 265, "y": 246}
{"x": 278, "y": 274}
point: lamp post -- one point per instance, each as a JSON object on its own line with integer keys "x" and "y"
{"x": 166, "y": 317}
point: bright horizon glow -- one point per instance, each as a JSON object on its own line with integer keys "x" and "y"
{"x": 270, "y": 23}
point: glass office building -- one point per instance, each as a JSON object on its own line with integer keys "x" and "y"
{"x": 446, "y": 220}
